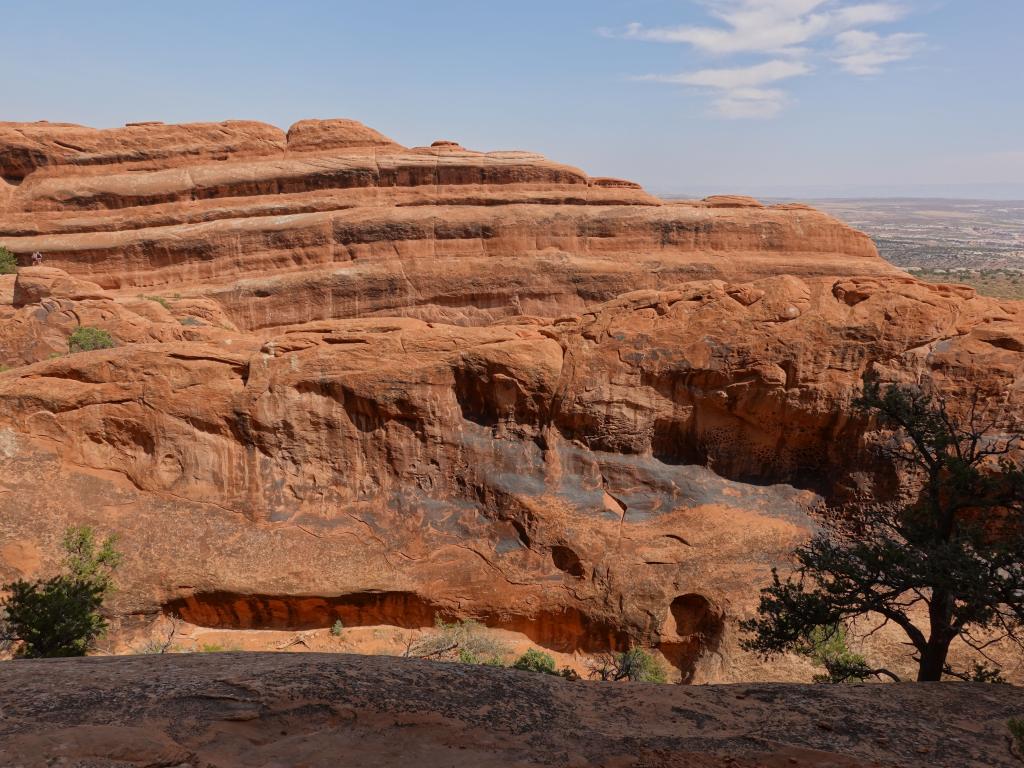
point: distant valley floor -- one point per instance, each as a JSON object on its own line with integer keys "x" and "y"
{"x": 975, "y": 242}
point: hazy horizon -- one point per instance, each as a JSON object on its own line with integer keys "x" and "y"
{"x": 1008, "y": 193}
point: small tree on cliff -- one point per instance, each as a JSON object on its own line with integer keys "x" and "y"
{"x": 8, "y": 262}
{"x": 61, "y": 616}
{"x": 947, "y": 563}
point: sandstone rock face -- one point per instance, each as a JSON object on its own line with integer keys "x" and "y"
{"x": 335, "y": 220}
{"x": 358, "y": 381}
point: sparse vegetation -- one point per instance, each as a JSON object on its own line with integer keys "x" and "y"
{"x": 951, "y": 554}
{"x": 159, "y": 300}
{"x": 827, "y": 646}
{"x": 337, "y": 628}
{"x": 86, "y": 339}
{"x": 162, "y": 644}
{"x": 8, "y": 262}
{"x": 1016, "y": 726}
{"x": 536, "y": 661}
{"x": 191, "y": 322}
{"x": 61, "y": 616}
{"x": 465, "y": 641}
{"x": 469, "y": 657}
{"x": 983, "y": 673}
{"x": 635, "y": 665}
{"x": 1002, "y": 283}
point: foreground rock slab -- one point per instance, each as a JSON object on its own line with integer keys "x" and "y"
{"x": 263, "y": 710}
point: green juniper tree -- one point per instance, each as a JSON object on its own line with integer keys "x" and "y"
{"x": 945, "y": 561}
{"x": 60, "y": 616}
{"x": 8, "y": 262}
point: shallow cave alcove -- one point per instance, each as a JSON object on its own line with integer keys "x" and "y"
{"x": 693, "y": 631}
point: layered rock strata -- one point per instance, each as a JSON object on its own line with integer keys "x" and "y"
{"x": 597, "y": 420}
{"x": 334, "y": 220}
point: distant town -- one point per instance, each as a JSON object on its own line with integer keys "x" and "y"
{"x": 975, "y": 242}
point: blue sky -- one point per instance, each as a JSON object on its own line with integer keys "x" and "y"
{"x": 760, "y": 96}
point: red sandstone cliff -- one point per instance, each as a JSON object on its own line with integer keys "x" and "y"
{"x": 386, "y": 384}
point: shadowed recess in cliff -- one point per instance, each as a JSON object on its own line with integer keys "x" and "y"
{"x": 564, "y": 629}
{"x": 693, "y": 632}
{"x": 227, "y": 610}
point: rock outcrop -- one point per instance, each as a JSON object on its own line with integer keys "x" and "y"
{"x": 268, "y": 710}
{"x": 358, "y": 381}
{"x": 335, "y": 220}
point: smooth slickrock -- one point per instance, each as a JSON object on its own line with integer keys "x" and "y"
{"x": 271, "y": 710}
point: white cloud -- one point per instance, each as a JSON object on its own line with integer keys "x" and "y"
{"x": 737, "y": 89}
{"x": 869, "y": 13}
{"x": 746, "y": 103}
{"x": 792, "y": 31}
{"x": 866, "y": 53}
{"x": 769, "y": 26}
{"x": 737, "y": 77}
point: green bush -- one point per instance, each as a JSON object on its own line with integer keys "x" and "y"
{"x": 61, "y": 616}
{"x": 469, "y": 657}
{"x": 1016, "y": 726}
{"x": 981, "y": 673}
{"x": 536, "y": 661}
{"x": 86, "y": 339}
{"x": 642, "y": 667}
{"x": 465, "y": 641}
{"x": 635, "y": 665}
{"x": 8, "y": 262}
{"x": 336, "y": 628}
{"x": 159, "y": 300}
{"x": 826, "y": 645}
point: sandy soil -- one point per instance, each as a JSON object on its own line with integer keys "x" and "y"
{"x": 222, "y": 710}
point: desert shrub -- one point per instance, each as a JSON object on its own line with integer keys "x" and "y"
{"x": 536, "y": 661}
{"x": 8, "y": 262}
{"x": 826, "y": 645}
{"x": 213, "y": 648}
{"x": 159, "y": 300}
{"x": 1016, "y": 726}
{"x": 61, "y": 616}
{"x": 190, "y": 322}
{"x": 337, "y": 627}
{"x": 155, "y": 647}
{"x": 635, "y": 665}
{"x": 642, "y": 667}
{"x": 86, "y": 339}
{"x": 465, "y": 641}
{"x": 980, "y": 673}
